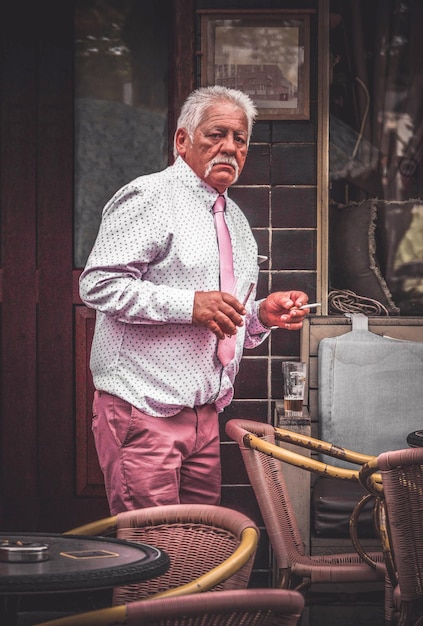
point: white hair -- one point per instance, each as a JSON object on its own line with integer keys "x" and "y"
{"x": 195, "y": 107}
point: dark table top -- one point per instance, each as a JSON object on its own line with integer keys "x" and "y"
{"x": 74, "y": 562}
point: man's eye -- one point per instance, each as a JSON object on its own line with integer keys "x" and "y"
{"x": 240, "y": 140}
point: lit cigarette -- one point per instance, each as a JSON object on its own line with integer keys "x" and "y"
{"x": 314, "y": 305}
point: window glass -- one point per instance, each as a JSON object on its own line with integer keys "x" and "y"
{"x": 121, "y": 103}
{"x": 376, "y": 151}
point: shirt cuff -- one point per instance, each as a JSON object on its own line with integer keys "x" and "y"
{"x": 180, "y": 306}
{"x": 256, "y": 327}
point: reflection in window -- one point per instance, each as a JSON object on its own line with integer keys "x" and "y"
{"x": 121, "y": 95}
{"x": 376, "y": 144}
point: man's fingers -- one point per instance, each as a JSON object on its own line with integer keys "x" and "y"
{"x": 220, "y": 312}
{"x": 222, "y": 326}
{"x": 233, "y": 303}
{"x": 215, "y": 328}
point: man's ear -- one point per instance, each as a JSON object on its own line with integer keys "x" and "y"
{"x": 181, "y": 141}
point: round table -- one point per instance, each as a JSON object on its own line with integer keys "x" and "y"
{"x": 78, "y": 562}
{"x": 74, "y": 563}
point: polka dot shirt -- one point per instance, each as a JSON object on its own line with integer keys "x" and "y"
{"x": 155, "y": 248}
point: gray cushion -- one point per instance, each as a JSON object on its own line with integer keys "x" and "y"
{"x": 370, "y": 390}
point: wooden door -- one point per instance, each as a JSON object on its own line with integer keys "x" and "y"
{"x": 50, "y": 479}
{"x": 37, "y": 357}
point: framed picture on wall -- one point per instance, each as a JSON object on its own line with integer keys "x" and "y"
{"x": 263, "y": 53}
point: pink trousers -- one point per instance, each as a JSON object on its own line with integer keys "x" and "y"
{"x": 149, "y": 461}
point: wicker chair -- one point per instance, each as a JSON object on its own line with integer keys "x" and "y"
{"x": 210, "y": 547}
{"x": 401, "y": 494}
{"x": 249, "y": 607}
{"x": 262, "y": 458}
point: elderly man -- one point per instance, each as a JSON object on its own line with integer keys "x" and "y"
{"x": 173, "y": 316}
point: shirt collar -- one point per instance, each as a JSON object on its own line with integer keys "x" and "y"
{"x": 190, "y": 179}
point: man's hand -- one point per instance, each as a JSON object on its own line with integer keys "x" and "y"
{"x": 218, "y": 311}
{"x": 281, "y": 309}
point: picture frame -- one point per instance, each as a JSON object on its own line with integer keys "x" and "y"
{"x": 266, "y": 54}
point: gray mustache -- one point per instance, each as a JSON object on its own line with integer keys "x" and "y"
{"x": 226, "y": 161}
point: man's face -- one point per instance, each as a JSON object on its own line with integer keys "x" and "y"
{"x": 219, "y": 148}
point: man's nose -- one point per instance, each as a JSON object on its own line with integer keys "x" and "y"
{"x": 228, "y": 144}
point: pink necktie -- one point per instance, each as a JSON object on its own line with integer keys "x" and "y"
{"x": 226, "y": 347}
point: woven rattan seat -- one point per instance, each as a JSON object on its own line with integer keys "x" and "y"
{"x": 210, "y": 547}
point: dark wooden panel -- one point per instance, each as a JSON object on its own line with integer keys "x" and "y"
{"x": 54, "y": 252}
{"x": 89, "y": 477}
{"x": 18, "y": 248}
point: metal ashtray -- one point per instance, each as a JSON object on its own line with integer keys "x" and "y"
{"x": 23, "y": 551}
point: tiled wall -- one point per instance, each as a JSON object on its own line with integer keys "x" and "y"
{"x": 277, "y": 192}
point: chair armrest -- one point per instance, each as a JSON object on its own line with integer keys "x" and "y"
{"x": 103, "y": 527}
{"x": 298, "y": 460}
{"x": 370, "y": 479}
{"x": 322, "y": 447}
{"x": 100, "y": 617}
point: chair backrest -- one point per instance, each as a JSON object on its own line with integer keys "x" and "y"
{"x": 249, "y": 607}
{"x": 402, "y": 480}
{"x": 210, "y": 547}
{"x": 267, "y": 479}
